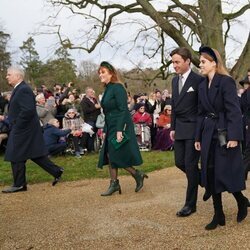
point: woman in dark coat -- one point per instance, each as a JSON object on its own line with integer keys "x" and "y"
{"x": 219, "y": 109}
{"x": 117, "y": 121}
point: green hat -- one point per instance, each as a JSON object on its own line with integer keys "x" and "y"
{"x": 107, "y": 65}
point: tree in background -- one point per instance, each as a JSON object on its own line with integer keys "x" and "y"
{"x": 160, "y": 26}
{"x": 5, "y": 59}
{"x": 30, "y": 61}
{"x": 60, "y": 69}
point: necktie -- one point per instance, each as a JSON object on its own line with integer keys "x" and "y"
{"x": 180, "y": 84}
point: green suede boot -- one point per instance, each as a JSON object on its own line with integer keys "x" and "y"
{"x": 113, "y": 187}
{"x": 139, "y": 178}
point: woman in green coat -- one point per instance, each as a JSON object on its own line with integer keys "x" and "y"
{"x": 118, "y": 124}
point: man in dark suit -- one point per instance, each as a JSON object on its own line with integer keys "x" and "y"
{"x": 91, "y": 109}
{"x": 183, "y": 124}
{"x": 25, "y": 139}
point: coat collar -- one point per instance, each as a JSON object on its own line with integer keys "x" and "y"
{"x": 186, "y": 86}
{"x": 16, "y": 89}
{"x": 213, "y": 91}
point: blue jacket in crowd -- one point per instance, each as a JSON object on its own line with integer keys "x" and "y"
{"x": 52, "y": 134}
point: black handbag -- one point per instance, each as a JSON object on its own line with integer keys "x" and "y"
{"x": 222, "y": 136}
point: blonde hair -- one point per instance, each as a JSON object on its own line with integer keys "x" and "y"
{"x": 39, "y": 97}
{"x": 52, "y": 121}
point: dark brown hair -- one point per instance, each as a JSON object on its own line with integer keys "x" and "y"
{"x": 183, "y": 52}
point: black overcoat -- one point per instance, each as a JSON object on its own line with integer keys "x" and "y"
{"x": 221, "y": 100}
{"x": 25, "y": 139}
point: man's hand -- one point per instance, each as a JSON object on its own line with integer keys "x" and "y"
{"x": 197, "y": 146}
{"x": 232, "y": 144}
{"x": 172, "y": 135}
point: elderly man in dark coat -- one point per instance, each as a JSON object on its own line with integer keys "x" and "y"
{"x": 25, "y": 138}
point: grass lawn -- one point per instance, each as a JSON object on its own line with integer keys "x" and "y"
{"x": 84, "y": 168}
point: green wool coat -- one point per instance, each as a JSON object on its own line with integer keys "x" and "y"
{"x": 117, "y": 117}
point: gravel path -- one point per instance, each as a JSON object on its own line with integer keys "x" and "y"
{"x": 73, "y": 215}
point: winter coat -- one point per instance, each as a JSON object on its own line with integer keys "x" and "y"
{"x": 25, "y": 139}
{"x": 219, "y": 109}
{"x": 118, "y": 118}
{"x": 52, "y": 134}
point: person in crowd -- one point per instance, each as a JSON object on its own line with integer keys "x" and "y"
{"x": 2, "y": 103}
{"x": 131, "y": 104}
{"x": 72, "y": 103}
{"x": 155, "y": 110}
{"x": 72, "y": 120}
{"x": 4, "y": 130}
{"x": 6, "y": 96}
{"x": 4, "y": 125}
{"x": 91, "y": 109}
{"x": 59, "y": 97}
{"x": 47, "y": 93}
{"x": 166, "y": 97}
{"x": 25, "y": 137}
{"x": 245, "y": 108}
{"x": 55, "y": 138}
{"x": 45, "y": 111}
{"x": 117, "y": 122}
{"x": 142, "y": 118}
{"x": 218, "y": 136}
{"x": 183, "y": 124}
{"x": 162, "y": 139}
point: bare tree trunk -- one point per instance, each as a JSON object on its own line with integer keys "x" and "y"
{"x": 211, "y": 33}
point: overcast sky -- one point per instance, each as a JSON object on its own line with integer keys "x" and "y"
{"x": 20, "y": 18}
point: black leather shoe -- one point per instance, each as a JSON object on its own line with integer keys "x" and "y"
{"x": 58, "y": 178}
{"x": 248, "y": 203}
{"x": 186, "y": 211}
{"x": 14, "y": 189}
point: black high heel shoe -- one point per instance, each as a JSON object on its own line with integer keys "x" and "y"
{"x": 242, "y": 209}
{"x": 218, "y": 219}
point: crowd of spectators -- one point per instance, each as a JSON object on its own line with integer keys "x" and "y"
{"x": 64, "y": 110}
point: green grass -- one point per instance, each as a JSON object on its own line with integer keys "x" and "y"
{"x": 83, "y": 168}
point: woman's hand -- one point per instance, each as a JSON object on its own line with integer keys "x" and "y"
{"x": 197, "y": 146}
{"x": 119, "y": 136}
{"x": 103, "y": 136}
{"x": 232, "y": 144}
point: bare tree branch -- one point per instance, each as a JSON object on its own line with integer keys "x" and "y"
{"x": 234, "y": 15}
